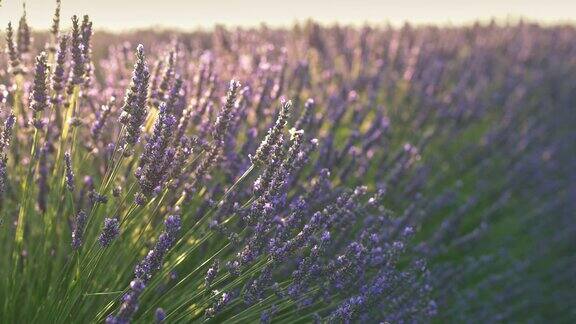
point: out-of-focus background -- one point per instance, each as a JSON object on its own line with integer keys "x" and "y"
{"x": 188, "y": 14}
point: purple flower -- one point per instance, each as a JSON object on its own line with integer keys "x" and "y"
{"x": 134, "y": 108}
{"x": 109, "y": 232}
{"x": 69, "y": 172}
{"x": 306, "y": 117}
{"x": 7, "y": 132}
{"x": 3, "y": 175}
{"x": 274, "y": 134}
{"x": 98, "y": 125}
{"x": 129, "y": 304}
{"x": 39, "y": 95}
{"x": 267, "y": 315}
{"x": 226, "y": 114}
{"x": 78, "y": 231}
{"x": 5, "y": 143}
{"x": 15, "y": 67}
{"x": 159, "y": 315}
{"x": 224, "y": 300}
{"x": 55, "y": 28}
{"x": 167, "y": 78}
{"x": 157, "y": 158}
{"x": 77, "y": 48}
{"x": 211, "y": 273}
{"x": 153, "y": 260}
{"x": 58, "y": 73}
{"x": 144, "y": 271}
{"x": 86, "y": 32}
{"x": 24, "y": 38}
{"x": 97, "y": 198}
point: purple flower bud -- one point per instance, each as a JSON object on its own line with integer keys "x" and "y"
{"x": 7, "y": 132}
{"x": 160, "y": 315}
{"x": 24, "y": 38}
{"x": 96, "y": 198}
{"x": 144, "y": 271}
{"x": 78, "y": 232}
{"x": 77, "y": 48}
{"x": 86, "y": 31}
{"x": 134, "y": 109}
{"x": 55, "y": 28}
{"x": 211, "y": 273}
{"x": 15, "y": 66}
{"x": 3, "y": 175}
{"x": 159, "y": 96}
{"x": 129, "y": 304}
{"x": 58, "y": 74}
{"x": 39, "y": 94}
{"x": 224, "y": 300}
{"x": 262, "y": 154}
{"x": 69, "y": 172}
{"x": 225, "y": 115}
{"x": 109, "y": 232}
{"x": 307, "y": 115}
{"x": 153, "y": 260}
{"x": 157, "y": 158}
{"x": 267, "y": 315}
{"x": 98, "y": 125}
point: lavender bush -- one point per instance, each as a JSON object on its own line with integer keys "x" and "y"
{"x": 312, "y": 174}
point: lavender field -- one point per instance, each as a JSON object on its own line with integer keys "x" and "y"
{"x": 311, "y": 174}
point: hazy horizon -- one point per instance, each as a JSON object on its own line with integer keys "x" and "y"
{"x": 182, "y": 14}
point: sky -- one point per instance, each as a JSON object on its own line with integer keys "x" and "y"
{"x": 190, "y": 14}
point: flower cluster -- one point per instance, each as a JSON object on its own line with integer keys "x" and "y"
{"x": 134, "y": 108}
{"x": 145, "y": 269}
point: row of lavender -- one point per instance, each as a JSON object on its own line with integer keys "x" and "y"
{"x": 344, "y": 174}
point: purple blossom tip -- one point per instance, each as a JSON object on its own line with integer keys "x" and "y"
{"x": 109, "y": 232}
{"x": 160, "y": 315}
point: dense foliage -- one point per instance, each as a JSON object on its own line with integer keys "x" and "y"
{"x": 330, "y": 174}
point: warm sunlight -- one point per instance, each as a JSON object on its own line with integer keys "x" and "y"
{"x": 122, "y": 14}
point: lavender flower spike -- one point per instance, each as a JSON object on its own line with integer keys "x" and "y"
{"x": 225, "y": 115}
{"x": 15, "y": 66}
{"x": 69, "y": 172}
{"x": 160, "y": 315}
{"x": 145, "y": 269}
{"x": 86, "y": 30}
{"x": 98, "y": 125}
{"x": 78, "y": 231}
{"x": 39, "y": 94}
{"x": 3, "y": 174}
{"x": 4, "y": 143}
{"x": 55, "y": 28}
{"x": 153, "y": 260}
{"x": 211, "y": 273}
{"x": 129, "y": 303}
{"x": 7, "y": 132}
{"x": 109, "y": 232}
{"x": 307, "y": 115}
{"x": 78, "y": 69}
{"x": 274, "y": 133}
{"x": 24, "y": 38}
{"x": 58, "y": 75}
{"x": 134, "y": 109}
